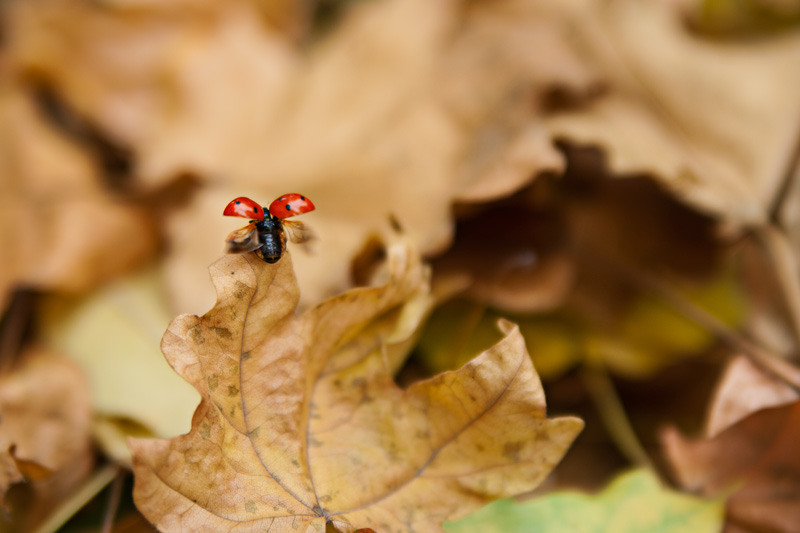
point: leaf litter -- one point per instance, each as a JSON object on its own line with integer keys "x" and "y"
{"x": 45, "y": 436}
{"x": 253, "y": 99}
{"x": 748, "y": 449}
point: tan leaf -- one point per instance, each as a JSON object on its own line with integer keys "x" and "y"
{"x": 65, "y": 231}
{"x": 745, "y": 389}
{"x": 369, "y": 121}
{"x": 759, "y": 456}
{"x": 45, "y": 422}
{"x": 301, "y": 423}
{"x": 712, "y": 120}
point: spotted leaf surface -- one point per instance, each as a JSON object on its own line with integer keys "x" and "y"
{"x": 301, "y": 424}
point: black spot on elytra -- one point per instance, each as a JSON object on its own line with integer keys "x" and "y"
{"x": 303, "y": 198}
{"x": 238, "y": 202}
{"x": 288, "y": 207}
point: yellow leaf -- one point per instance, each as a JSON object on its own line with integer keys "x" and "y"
{"x": 113, "y": 335}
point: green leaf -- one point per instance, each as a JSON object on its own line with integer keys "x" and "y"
{"x": 632, "y": 503}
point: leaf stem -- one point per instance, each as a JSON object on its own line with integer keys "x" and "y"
{"x": 90, "y": 488}
{"x": 14, "y": 328}
{"x": 762, "y": 357}
{"x": 613, "y": 414}
{"x": 113, "y": 500}
{"x": 787, "y": 271}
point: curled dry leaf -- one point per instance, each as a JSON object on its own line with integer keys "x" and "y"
{"x": 757, "y": 457}
{"x": 513, "y": 256}
{"x": 45, "y": 420}
{"x": 689, "y": 110}
{"x": 750, "y": 445}
{"x": 573, "y": 242}
{"x": 745, "y": 389}
{"x": 570, "y": 259}
{"x": 301, "y": 423}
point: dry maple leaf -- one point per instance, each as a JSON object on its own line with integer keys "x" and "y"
{"x": 744, "y": 389}
{"x": 301, "y": 423}
{"x": 714, "y": 121}
{"x": 757, "y": 457}
{"x": 750, "y": 445}
{"x": 45, "y": 422}
{"x": 61, "y": 229}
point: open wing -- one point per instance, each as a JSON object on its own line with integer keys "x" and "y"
{"x": 297, "y": 232}
{"x": 242, "y": 240}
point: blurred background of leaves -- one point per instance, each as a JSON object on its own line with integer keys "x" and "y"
{"x": 621, "y": 178}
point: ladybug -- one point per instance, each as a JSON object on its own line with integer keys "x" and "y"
{"x": 267, "y": 231}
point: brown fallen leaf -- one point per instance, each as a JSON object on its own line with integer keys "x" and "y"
{"x": 572, "y": 240}
{"x": 63, "y": 230}
{"x": 301, "y": 423}
{"x": 713, "y": 121}
{"x": 568, "y": 259}
{"x": 368, "y": 121}
{"x": 513, "y": 256}
{"x": 742, "y": 390}
{"x": 45, "y": 421}
{"x": 759, "y": 456}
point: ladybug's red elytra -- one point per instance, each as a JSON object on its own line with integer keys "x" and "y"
{"x": 268, "y": 228}
{"x": 290, "y": 205}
